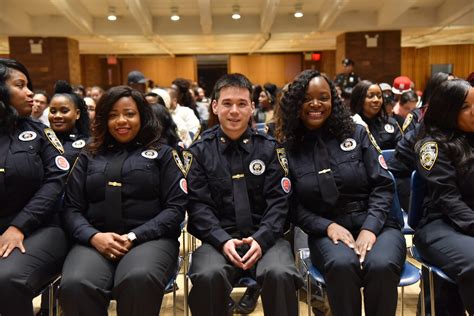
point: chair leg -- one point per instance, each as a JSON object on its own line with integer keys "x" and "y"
{"x": 432, "y": 294}
{"x": 422, "y": 299}
{"x": 308, "y": 292}
{"x": 186, "y": 307}
{"x": 403, "y": 305}
{"x": 51, "y": 299}
{"x": 174, "y": 298}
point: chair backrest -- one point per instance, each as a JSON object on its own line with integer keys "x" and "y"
{"x": 396, "y": 209}
{"x": 417, "y": 195}
{"x": 388, "y": 154}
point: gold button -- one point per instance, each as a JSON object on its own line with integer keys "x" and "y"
{"x": 223, "y": 139}
{"x": 245, "y": 141}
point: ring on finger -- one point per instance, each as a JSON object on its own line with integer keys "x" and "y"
{"x": 112, "y": 256}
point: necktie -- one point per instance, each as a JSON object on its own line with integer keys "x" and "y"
{"x": 327, "y": 185}
{"x": 243, "y": 216}
{"x": 113, "y": 193}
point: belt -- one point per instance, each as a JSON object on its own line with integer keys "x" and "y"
{"x": 351, "y": 207}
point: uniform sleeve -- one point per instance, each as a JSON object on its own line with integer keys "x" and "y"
{"x": 274, "y": 217}
{"x": 203, "y": 222}
{"x": 444, "y": 192}
{"x": 75, "y": 203}
{"x": 381, "y": 195}
{"x": 41, "y": 206}
{"x": 174, "y": 200}
{"x": 403, "y": 162}
{"x": 308, "y": 221}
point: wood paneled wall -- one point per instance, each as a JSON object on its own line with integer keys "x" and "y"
{"x": 275, "y": 68}
{"x": 416, "y": 62}
{"x": 326, "y": 65}
{"x": 162, "y": 70}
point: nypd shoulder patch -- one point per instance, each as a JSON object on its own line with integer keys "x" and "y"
{"x": 428, "y": 155}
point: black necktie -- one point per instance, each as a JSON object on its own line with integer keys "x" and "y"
{"x": 243, "y": 216}
{"x": 327, "y": 185}
{"x": 113, "y": 193}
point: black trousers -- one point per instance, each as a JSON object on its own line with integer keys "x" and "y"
{"x": 213, "y": 276}
{"x": 344, "y": 276}
{"x": 22, "y": 276}
{"x": 137, "y": 281}
{"x": 445, "y": 247}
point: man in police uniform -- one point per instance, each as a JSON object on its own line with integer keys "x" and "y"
{"x": 238, "y": 204}
{"x": 347, "y": 79}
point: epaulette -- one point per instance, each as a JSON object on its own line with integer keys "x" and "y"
{"x": 53, "y": 139}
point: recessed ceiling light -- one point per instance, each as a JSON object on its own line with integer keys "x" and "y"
{"x": 111, "y": 16}
{"x": 174, "y": 14}
{"x": 236, "y": 12}
{"x": 298, "y": 11}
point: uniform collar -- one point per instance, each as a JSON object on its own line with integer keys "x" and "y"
{"x": 245, "y": 140}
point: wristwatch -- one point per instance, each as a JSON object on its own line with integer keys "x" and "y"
{"x": 131, "y": 236}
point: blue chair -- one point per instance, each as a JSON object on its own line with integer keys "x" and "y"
{"x": 414, "y": 216}
{"x": 406, "y": 228}
{"x": 409, "y": 274}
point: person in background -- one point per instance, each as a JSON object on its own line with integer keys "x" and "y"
{"x": 96, "y": 93}
{"x": 32, "y": 175}
{"x": 136, "y": 79}
{"x": 266, "y": 103}
{"x": 445, "y": 161}
{"x": 367, "y": 105}
{"x": 40, "y": 107}
{"x": 151, "y": 98}
{"x": 388, "y": 98}
{"x": 408, "y": 102}
{"x": 80, "y": 91}
{"x": 400, "y": 85}
{"x": 186, "y": 114}
{"x": 347, "y": 79}
{"x": 90, "y": 107}
{"x": 183, "y": 94}
{"x": 124, "y": 203}
{"x": 342, "y": 195}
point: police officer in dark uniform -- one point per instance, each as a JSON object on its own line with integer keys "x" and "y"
{"x": 238, "y": 194}
{"x": 32, "y": 175}
{"x": 348, "y": 79}
{"x": 124, "y": 203}
{"x": 342, "y": 198}
{"x": 445, "y": 235}
{"x": 367, "y": 102}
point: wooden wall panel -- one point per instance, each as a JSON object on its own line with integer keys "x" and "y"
{"x": 91, "y": 71}
{"x": 275, "y": 68}
{"x": 186, "y": 67}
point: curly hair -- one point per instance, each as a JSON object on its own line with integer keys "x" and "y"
{"x": 8, "y": 114}
{"x": 290, "y": 128}
{"x": 440, "y": 122}
{"x": 150, "y": 129}
{"x": 359, "y": 93}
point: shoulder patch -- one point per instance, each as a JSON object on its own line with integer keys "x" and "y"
{"x": 373, "y": 141}
{"x": 187, "y": 160}
{"x": 281, "y": 154}
{"x": 428, "y": 155}
{"x": 53, "y": 139}
{"x": 178, "y": 162}
{"x": 407, "y": 121}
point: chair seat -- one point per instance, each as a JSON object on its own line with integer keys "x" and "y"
{"x": 245, "y": 282}
{"x": 433, "y": 268}
{"x": 410, "y": 274}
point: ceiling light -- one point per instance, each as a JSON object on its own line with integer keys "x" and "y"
{"x": 236, "y": 12}
{"x": 298, "y": 11}
{"x": 111, "y": 16}
{"x": 174, "y": 14}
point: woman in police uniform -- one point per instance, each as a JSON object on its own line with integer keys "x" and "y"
{"x": 367, "y": 103}
{"x": 124, "y": 203}
{"x": 342, "y": 195}
{"x": 69, "y": 119}
{"x": 445, "y": 235}
{"x": 32, "y": 175}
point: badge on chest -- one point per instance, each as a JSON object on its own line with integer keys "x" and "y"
{"x": 27, "y": 136}
{"x": 257, "y": 167}
{"x": 389, "y": 128}
{"x": 79, "y": 144}
{"x": 348, "y": 144}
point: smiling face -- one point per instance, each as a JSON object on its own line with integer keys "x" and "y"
{"x": 373, "y": 101}
{"x": 124, "y": 120}
{"x": 62, "y": 114}
{"x": 21, "y": 98}
{"x": 234, "y": 109}
{"x": 465, "y": 119}
{"x": 40, "y": 102}
{"x": 318, "y": 103}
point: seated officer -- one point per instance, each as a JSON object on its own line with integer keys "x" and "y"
{"x": 238, "y": 204}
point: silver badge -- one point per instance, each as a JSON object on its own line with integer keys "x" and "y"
{"x": 27, "y": 136}
{"x": 389, "y": 128}
{"x": 79, "y": 143}
{"x": 150, "y": 154}
{"x": 348, "y": 144}
{"x": 257, "y": 167}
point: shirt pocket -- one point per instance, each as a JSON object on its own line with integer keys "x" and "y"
{"x": 142, "y": 179}
{"x": 351, "y": 168}
{"x": 95, "y": 181}
{"x": 26, "y": 162}
{"x": 221, "y": 194}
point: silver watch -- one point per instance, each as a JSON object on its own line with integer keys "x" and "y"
{"x": 131, "y": 236}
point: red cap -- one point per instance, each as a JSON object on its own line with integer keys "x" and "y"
{"x": 401, "y": 84}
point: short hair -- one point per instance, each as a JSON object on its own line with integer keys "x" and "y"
{"x": 408, "y": 96}
{"x": 359, "y": 93}
{"x": 42, "y": 92}
{"x": 232, "y": 80}
{"x": 150, "y": 130}
{"x": 8, "y": 114}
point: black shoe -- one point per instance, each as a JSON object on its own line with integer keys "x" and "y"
{"x": 248, "y": 301}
